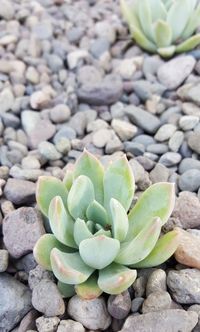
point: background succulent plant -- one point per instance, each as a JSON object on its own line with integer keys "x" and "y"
{"x": 163, "y": 26}
{"x": 96, "y": 246}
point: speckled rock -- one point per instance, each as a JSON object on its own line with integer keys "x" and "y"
{"x": 45, "y": 324}
{"x": 70, "y": 325}
{"x": 119, "y": 306}
{"x": 157, "y": 301}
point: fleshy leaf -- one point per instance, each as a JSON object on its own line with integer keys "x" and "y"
{"x": 116, "y": 278}
{"x": 62, "y": 224}
{"x": 43, "y": 247}
{"x": 66, "y": 290}
{"x": 91, "y": 226}
{"x": 97, "y": 213}
{"x": 158, "y": 10}
{"x": 90, "y": 166}
{"x": 68, "y": 179}
{"x": 69, "y": 268}
{"x": 47, "y": 188}
{"x": 80, "y": 196}
{"x": 81, "y": 231}
{"x": 178, "y": 16}
{"x": 163, "y": 250}
{"x": 89, "y": 289}
{"x": 141, "y": 246}
{"x": 144, "y": 13}
{"x": 119, "y": 184}
{"x": 99, "y": 251}
{"x": 188, "y": 44}
{"x": 193, "y": 23}
{"x": 163, "y": 33}
{"x": 157, "y": 201}
{"x": 142, "y": 40}
{"x": 129, "y": 14}
{"x": 119, "y": 220}
{"x": 167, "y": 52}
{"x": 103, "y": 232}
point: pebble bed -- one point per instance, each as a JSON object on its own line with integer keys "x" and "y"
{"x": 71, "y": 78}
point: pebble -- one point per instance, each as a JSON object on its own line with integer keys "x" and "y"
{"x": 145, "y": 140}
{"x": 104, "y": 29}
{"x": 189, "y": 92}
{"x": 190, "y": 180}
{"x": 32, "y": 75}
{"x": 136, "y": 149}
{"x": 124, "y": 130}
{"x": 4, "y": 257}
{"x": 126, "y": 68}
{"x": 7, "y": 11}
{"x": 21, "y": 230}
{"x": 99, "y": 47}
{"x": 169, "y": 159}
{"x": 188, "y": 122}
{"x": 74, "y": 57}
{"x": 157, "y": 282}
{"x": 176, "y": 141}
{"x": 90, "y": 74}
{"x": 70, "y": 325}
{"x": 48, "y": 151}
{"x": 193, "y": 142}
{"x": 6, "y": 100}
{"x": 165, "y": 132}
{"x": 30, "y": 162}
{"x": 172, "y": 73}
{"x": 47, "y": 299}
{"x": 101, "y": 137}
{"x": 45, "y": 324}
{"x": 136, "y": 304}
{"x": 149, "y": 122}
{"x": 184, "y": 285}
{"x": 196, "y": 308}
{"x": 157, "y": 148}
{"x": 60, "y": 113}
{"x": 37, "y": 274}
{"x": 39, "y": 100}
{"x": 28, "y": 322}
{"x": 97, "y": 125}
{"x": 91, "y": 313}
{"x": 191, "y": 109}
{"x": 187, "y": 164}
{"x": 43, "y": 30}
{"x": 119, "y": 306}
{"x": 156, "y": 301}
{"x": 15, "y": 302}
{"x": 145, "y": 89}
{"x": 20, "y": 191}
{"x": 187, "y": 210}
{"x": 162, "y": 321}
{"x": 64, "y": 132}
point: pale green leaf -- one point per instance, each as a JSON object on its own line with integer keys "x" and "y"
{"x": 145, "y": 18}
{"x": 66, "y": 290}
{"x": 188, "y": 44}
{"x": 68, "y": 179}
{"x": 177, "y": 17}
{"x": 119, "y": 220}
{"x": 167, "y": 52}
{"x": 81, "y": 231}
{"x": 158, "y": 10}
{"x": 97, "y": 213}
{"x": 129, "y": 14}
{"x": 163, "y": 33}
{"x": 193, "y": 23}
{"x": 142, "y": 40}
{"x": 89, "y": 289}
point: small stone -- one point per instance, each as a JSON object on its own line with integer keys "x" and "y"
{"x": 91, "y": 313}
{"x": 39, "y": 100}
{"x": 196, "y": 308}
{"x": 187, "y": 210}
{"x": 15, "y": 302}
{"x": 101, "y": 137}
{"x": 149, "y": 122}
{"x": 139, "y": 286}
{"x": 158, "y": 148}
{"x": 145, "y": 140}
{"x": 136, "y": 304}
{"x": 114, "y": 145}
{"x": 74, "y": 57}
{"x": 126, "y": 68}
{"x": 161, "y": 321}
{"x": 188, "y": 122}
{"x": 28, "y": 322}
{"x": 48, "y": 151}
{"x": 184, "y": 285}
{"x": 172, "y": 73}
{"x": 47, "y": 299}
{"x": 21, "y": 230}
{"x": 193, "y": 142}
{"x": 170, "y": 159}
{"x": 45, "y": 324}
{"x": 63, "y": 145}
{"x": 55, "y": 63}
{"x": 7, "y": 11}
{"x": 96, "y": 125}
{"x": 104, "y": 29}
{"x": 156, "y": 301}
{"x": 187, "y": 164}
{"x": 43, "y": 30}
{"x": 90, "y": 74}
{"x": 190, "y": 109}
{"x": 176, "y": 140}
{"x": 66, "y": 132}
{"x": 145, "y": 89}
{"x": 37, "y": 274}
{"x": 20, "y": 191}
{"x": 136, "y": 149}
{"x": 123, "y": 129}
{"x": 165, "y": 132}
{"x": 159, "y": 173}
{"x": 190, "y": 180}
{"x": 70, "y": 325}
{"x": 30, "y": 162}
{"x": 60, "y": 113}
{"x": 26, "y": 263}
{"x": 32, "y": 75}
{"x": 190, "y": 92}
{"x": 137, "y": 169}
{"x": 99, "y": 47}
{"x": 119, "y": 306}
{"x": 156, "y": 282}
{"x": 3, "y": 260}
{"x": 6, "y": 100}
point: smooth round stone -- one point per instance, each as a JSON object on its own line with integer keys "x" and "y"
{"x": 193, "y": 142}
{"x": 188, "y": 164}
{"x": 30, "y": 162}
{"x": 54, "y": 62}
{"x": 99, "y": 46}
{"x": 66, "y": 132}
{"x": 49, "y": 151}
{"x": 137, "y": 304}
{"x": 104, "y": 29}
{"x": 119, "y": 306}
{"x": 32, "y": 75}
{"x": 60, "y": 113}
{"x": 146, "y": 140}
{"x": 170, "y": 159}
{"x": 190, "y": 180}
{"x": 136, "y": 149}
{"x": 101, "y": 137}
{"x": 165, "y": 132}
{"x": 176, "y": 140}
{"x": 157, "y": 148}
{"x": 90, "y": 74}
{"x": 188, "y": 122}
{"x": 123, "y": 129}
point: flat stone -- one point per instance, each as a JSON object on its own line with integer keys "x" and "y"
{"x": 184, "y": 285}
{"x": 47, "y": 299}
{"x": 176, "y": 141}
{"x": 193, "y": 142}
{"x": 15, "y": 302}
{"x": 172, "y": 73}
{"x": 190, "y": 92}
{"x": 187, "y": 210}
{"x": 123, "y": 129}
{"x": 156, "y": 301}
{"x": 103, "y": 93}
{"x": 188, "y": 122}
{"x": 190, "y": 180}
{"x": 145, "y": 120}
{"x": 21, "y": 230}
{"x": 91, "y": 313}
{"x": 3, "y": 260}
{"x": 119, "y": 306}
{"x": 165, "y": 132}
{"x": 20, "y": 191}
{"x": 169, "y": 159}
{"x": 173, "y": 320}
{"x": 47, "y": 324}
{"x": 70, "y": 325}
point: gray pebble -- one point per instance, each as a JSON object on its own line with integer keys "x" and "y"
{"x": 190, "y": 180}
{"x": 187, "y": 164}
{"x": 3, "y": 260}
{"x": 170, "y": 159}
{"x": 176, "y": 140}
{"x": 48, "y": 151}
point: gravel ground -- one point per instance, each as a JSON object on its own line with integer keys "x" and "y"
{"x": 70, "y": 77}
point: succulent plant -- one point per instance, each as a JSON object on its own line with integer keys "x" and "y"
{"x": 98, "y": 240}
{"x": 163, "y": 26}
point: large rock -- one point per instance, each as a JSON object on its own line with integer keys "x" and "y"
{"x": 15, "y": 302}
{"x": 92, "y": 314}
{"x": 184, "y": 285}
{"x": 21, "y": 230}
{"x": 170, "y": 320}
{"x": 20, "y": 191}
{"x": 172, "y": 73}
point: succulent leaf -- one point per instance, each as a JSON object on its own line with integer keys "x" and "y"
{"x": 66, "y": 290}
{"x": 177, "y": 17}
{"x": 99, "y": 252}
{"x": 81, "y": 231}
{"x": 142, "y": 40}
{"x": 90, "y": 166}
{"x": 129, "y": 14}
{"x": 43, "y": 247}
{"x": 47, "y": 188}
{"x": 97, "y": 213}
{"x": 141, "y": 246}
{"x": 119, "y": 220}
{"x": 145, "y": 18}
{"x": 157, "y": 201}
{"x": 193, "y": 23}
{"x": 188, "y": 44}
{"x": 163, "y": 250}
{"x": 119, "y": 184}
{"x": 80, "y": 196}
{"x": 61, "y": 223}
{"x": 167, "y": 52}
{"x": 158, "y": 10}
{"x": 69, "y": 268}
{"x": 68, "y": 179}
{"x": 89, "y": 289}
{"x": 163, "y": 33}
{"x": 116, "y": 278}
